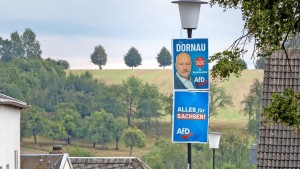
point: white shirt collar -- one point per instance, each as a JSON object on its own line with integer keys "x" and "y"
{"x": 186, "y": 82}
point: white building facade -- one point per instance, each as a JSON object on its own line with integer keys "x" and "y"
{"x": 10, "y": 113}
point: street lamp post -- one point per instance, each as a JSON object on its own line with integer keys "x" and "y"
{"x": 213, "y": 141}
{"x": 189, "y": 15}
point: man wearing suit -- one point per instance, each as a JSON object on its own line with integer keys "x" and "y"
{"x": 182, "y": 79}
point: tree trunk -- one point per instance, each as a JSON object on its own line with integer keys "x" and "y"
{"x": 117, "y": 143}
{"x": 34, "y": 136}
{"x": 100, "y": 67}
{"x": 128, "y": 121}
{"x": 94, "y": 144}
{"x": 131, "y": 150}
{"x": 68, "y": 140}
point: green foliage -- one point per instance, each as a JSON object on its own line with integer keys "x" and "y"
{"x": 243, "y": 64}
{"x": 113, "y": 103}
{"x": 269, "y": 23}
{"x": 228, "y": 62}
{"x": 34, "y": 121}
{"x": 100, "y": 127}
{"x": 228, "y": 166}
{"x": 218, "y": 99}
{"x": 284, "y": 108}
{"x": 260, "y": 63}
{"x": 253, "y": 127}
{"x": 164, "y": 57}
{"x": 149, "y": 105}
{"x": 233, "y": 150}
{"x": 133, "y": 137}
{"x": 133, "y": 58}
{"x": 167, "y": 104}
{"x": 130, "y": 93}
{"x": 75, "y": 151}
{"x": 85, "y": 92}
{"x": 67, "y": 115}
{"x": 24, "y": 46}
{"x": 55, "y": 130}
{"x": 30, "y": 44}
{"x": 99, "y": 56}
{"x": 166, "y": 155}
{"x": 63, "y": 63}
{"x": 253, "y": 101}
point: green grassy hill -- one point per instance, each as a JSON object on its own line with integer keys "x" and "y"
{"x": 237, "y": 88}
{"x": 228, "y": 118}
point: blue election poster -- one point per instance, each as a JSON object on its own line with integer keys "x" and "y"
{"x": 190, "y": 116}
{"x": 191, "y": 68}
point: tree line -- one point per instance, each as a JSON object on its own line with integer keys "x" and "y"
{"x": 132, "y": 59}
{"x": 68, "y": 106}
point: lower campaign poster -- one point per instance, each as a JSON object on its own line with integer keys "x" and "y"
{"x": 190, "y": 116}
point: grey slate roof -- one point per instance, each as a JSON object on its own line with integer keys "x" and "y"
{"x": 108, "y": 163}
{"x": 6, "y": 100}
{"x": 279, "y": 146}
{"x": 44, "y": 161}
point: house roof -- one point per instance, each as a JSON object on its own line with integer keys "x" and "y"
{"x": 279, "y": 146}
{"x": 108, "y": 162}
{"x": 45, "y": 161}
{"x": 6, "y": 100}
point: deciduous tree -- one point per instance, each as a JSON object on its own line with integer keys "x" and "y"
{"x": 269, "y": 24}
{"x": 218, "y": 99}
{"x": 100, "y": 128}
{"x": 66, "y": 114}
{"x": 133, "y": 58}
{"x": 31, "y": 46}
{"x": 260, "y": 63}
{"x": 99, "y": 56}
{"x": 130, "y": 93}
{"x": 164, "y": 57}
{"x": 133, "y": 137}
{"x": 34, "y": 120}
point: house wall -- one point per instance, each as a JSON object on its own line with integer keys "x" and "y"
{"x": 10, "y": 137}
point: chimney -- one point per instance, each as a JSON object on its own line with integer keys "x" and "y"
{"x": 57, "y": 149}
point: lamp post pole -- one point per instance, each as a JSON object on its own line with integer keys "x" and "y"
{"x": 189, "y": 14}
{"x": 213, "y": 158}
{"x": 189, "y": 145}
{"x": 214, "y": 141}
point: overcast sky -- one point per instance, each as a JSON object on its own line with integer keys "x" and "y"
{"x": 70, "y": 29}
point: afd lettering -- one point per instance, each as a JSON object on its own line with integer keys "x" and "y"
{"x": 185, "y": 133}
{"x": 200, "y": 81}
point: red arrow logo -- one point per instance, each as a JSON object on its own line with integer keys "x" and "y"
{"x": 202, "y": 83}
{"x": 187, "y": 136}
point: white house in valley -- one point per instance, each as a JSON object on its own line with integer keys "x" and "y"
{"x": 10, "y": 113}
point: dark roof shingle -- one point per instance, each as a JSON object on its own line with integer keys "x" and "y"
{"x": 279, "y": 146}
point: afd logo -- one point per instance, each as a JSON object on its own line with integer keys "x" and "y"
{"x": 185, "y": 133}
{"x": 200, "y": 81}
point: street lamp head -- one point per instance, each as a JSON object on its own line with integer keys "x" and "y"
{"x": 189, "y": 12}
{"x": 214, "y": 139}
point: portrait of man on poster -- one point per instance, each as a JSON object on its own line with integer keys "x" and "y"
{"x": 182, "y": 78}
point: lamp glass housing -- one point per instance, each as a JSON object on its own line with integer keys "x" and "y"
{"x": 214, "y": 139}
{"x": 189, "y": 12}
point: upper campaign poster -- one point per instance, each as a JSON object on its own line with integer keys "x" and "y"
{"x": 191, "y": 68}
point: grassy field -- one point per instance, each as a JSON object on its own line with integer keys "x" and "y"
{"x": 227, "y": 119}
